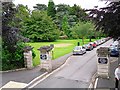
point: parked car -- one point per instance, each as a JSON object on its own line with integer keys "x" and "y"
{"x": 96, "y": 42}
{"x": 114, "y": 51}
{"x": 88, "y": 46}
{"x": 99, "y": 42}
{"x": 115, "y": 44}
{"x": 79, "y": 50}
{"x": 93, "y": 44}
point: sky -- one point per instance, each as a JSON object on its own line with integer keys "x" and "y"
{"x": 86, "y": 4}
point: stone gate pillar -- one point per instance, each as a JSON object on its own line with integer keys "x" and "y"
{"x": 28, "y": 57}
{"x": 103, "y": 62}
{"x": 46, "y": 57}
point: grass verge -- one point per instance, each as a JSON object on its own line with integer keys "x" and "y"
{"x": 62, "y": 47}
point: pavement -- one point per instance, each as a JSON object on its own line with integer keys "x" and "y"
{"x": 104, "y": 83}
{"x": 26, "y": 76}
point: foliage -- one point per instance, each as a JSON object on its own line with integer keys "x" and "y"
{"x": 68, "y": 15}
{"x": 79, "y": 13}
{"x": 61, "y": 11}
{"x": 40, "y": 27}
{"x": 12, "y": 46}
{"x": 41, "y": 7}
{"x": 51, "y": 9}
{"x": 104, "y": 18}
{"x": 83, "y": 30}
{"x": 13, "y": 60}
{"x": 65, "y": 26}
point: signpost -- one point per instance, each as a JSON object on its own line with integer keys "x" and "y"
{"x": 103, "y": 63}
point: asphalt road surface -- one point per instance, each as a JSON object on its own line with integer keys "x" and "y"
{"x": 77, "y": 72}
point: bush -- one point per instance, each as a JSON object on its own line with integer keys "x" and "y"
{"x": 40, "y": 27}
{"x": 13, "y": 60}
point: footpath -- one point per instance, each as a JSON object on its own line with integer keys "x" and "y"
{"x": 25, "y": 76}
{"x": 108, "y": 84}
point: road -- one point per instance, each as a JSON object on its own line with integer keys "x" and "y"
{"x": 77, "y": 72}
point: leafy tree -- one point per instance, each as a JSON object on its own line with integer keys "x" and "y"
{"x": 65, "y": 26}
{"x": 41, "y": 7}
{"x": 82, "y": 30}
{"x": 40, "y": 27}
{"x": 12, "y": 53}
{"x": 23, "y": 14}
{"x": 9, "y": 34}
{"x": 79, "y": 13}
{"x": 51, "y": 9}
{"x": 61, "y": 11}
{"x": 104, "y": 18}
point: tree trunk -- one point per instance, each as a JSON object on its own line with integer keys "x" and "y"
{"x": 83, "y": 41}
{"x": 90, "y": 39}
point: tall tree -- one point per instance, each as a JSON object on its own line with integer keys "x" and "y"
{"x": 22, "y": 14}
{"x": 51, "y": 9}
{"x": 8, "y": 33}
{"x": 79, "y": 13}
{"x": 82, "y": 30}
{"x": 104, "y": 18}
{"x": 12, "y": 53}
{"x": 42, "y": 7}
{"x": 65, "y": 25}
{"x": 40, "y": 27}
{"x": 61, "y": 11}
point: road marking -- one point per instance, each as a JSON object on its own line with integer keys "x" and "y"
{"x": 96, "y": 81}
{"x": 37, "y": 78}
{"x": 92, "y": 81}
{"x": 13, "y": 84}
{"x": 50, "y": 74}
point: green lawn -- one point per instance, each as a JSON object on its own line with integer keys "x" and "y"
{"x": 59, "y": 50}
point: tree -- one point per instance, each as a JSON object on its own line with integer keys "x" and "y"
{"x": 9, "y": 34}
{"x": 61, "y": 11}
{"x": 22, "y": 14}
{"x": 12, "y": 53}
{"x": 40, "y": 27}
{"x": 104, "y": 18}
{"x": 65, "y": 26}
{"x": 41, "y": 7}
{"x": 51, "y": 9}
{"x": 79, "y": 13}
{"x": 82, "y": 30}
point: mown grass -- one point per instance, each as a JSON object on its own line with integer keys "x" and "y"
{"x": 58, "y": 51}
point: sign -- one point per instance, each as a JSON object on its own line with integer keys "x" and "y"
{"x": 102, "y": 60}
{"x": 43, "y": 56}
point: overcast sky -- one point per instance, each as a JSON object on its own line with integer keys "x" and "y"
{"x": 87, "y": 4}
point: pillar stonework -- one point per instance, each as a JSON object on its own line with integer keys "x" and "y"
{"x": 28, "y": 57}
{"x": 46, "y": 57}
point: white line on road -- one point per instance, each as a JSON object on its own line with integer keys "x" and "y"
{"x": 96, "y": 81}
{"x": 49, "y": 74}
{"x": 37, "y": 78}
{"x": 92, "y": 81}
